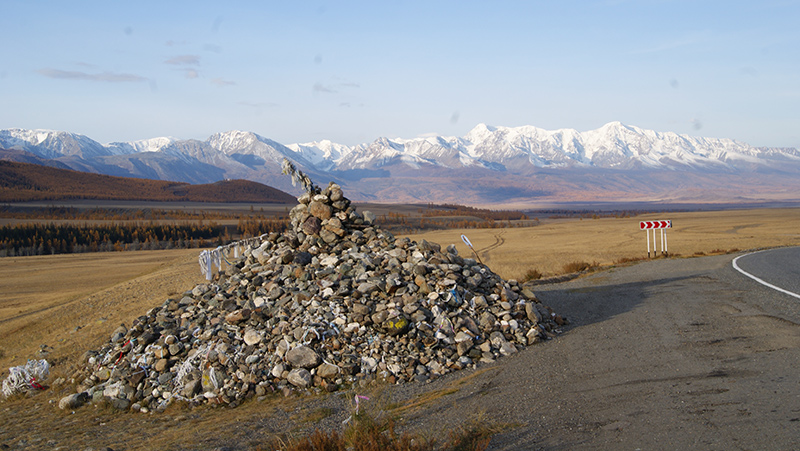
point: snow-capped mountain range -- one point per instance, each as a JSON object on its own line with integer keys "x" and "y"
{"x": 614, "y": 145}
{"x": 502, "y": 164}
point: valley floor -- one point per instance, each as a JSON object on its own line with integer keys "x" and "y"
{"x": 667, "y": 354}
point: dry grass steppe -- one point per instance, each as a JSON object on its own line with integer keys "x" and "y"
{"x": 69, "y": 302}
{"x": 547, "y": 248}
{"x": 57, "y": 307}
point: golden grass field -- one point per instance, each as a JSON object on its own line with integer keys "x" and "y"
{"x": 512, "y": 252}
{"x": 72, "y": 303}
{"x": 69, "y": 302}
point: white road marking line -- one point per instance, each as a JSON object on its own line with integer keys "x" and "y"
{"x": 762, "y": 282}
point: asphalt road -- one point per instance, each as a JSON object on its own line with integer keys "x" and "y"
{"x": 667, "y": 354}
{"x": 779, "y": 268}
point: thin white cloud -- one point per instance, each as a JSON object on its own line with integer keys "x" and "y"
{"x": 212, "y": 48}
{"x": 320, "y": 88}
{"x": 222, "y": 82}
{"x": 186, "y": 63}
{"x": 77, "y": 75}
{"x": 334, "y": 87}
{"x": 184, "y": 60}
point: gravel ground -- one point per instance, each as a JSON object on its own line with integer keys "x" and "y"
{"x": 668, "y": 354}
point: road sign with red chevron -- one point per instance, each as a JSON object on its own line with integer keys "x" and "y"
{"x": 646, "y": 225}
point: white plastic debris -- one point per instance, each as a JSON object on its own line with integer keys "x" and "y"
{"x": 27, "y": 377}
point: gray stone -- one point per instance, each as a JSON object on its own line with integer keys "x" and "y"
{"x": 278, "y": 370}
{"x": 335, "y": 193}
{"x": 175, "y": 348}
{"x": 367, "y": 287}
{"x": 328, "y": 236}
{"x": 119, "y": 334}
{"x": 507, "y": 348}
{"x": 319, "y": 210}
{"x": 252, "y": 337}
{"x": 73, "y": 401}
{"x": 163, "y": 378}
{"x": 299, "y": 377}
{"x": 328, "y": 371}
{"x": 312, "y": 225}
{"x": 119, "y": 403}
{"x": 191, "y": 388}
{"x": 303, "y": 357}
{"x": 199, "y": 290}
{"x": 532, "y": 313}
{"x": 360, "y": 309}
{"x": 302, "y": 258}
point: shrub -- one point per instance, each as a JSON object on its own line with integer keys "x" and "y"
{"x": 578, "y": 267}
{"x": 624, "y": 260}
{"x": 532, "y": 274}
{"x": 364, "y": 433}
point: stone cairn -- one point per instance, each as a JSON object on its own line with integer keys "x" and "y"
{"x": 333, "y": 301}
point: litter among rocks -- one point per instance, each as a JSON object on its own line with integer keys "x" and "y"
{"x": 26, "y": 377}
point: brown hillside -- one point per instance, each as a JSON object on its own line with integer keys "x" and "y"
{"x": 25, "y": 182}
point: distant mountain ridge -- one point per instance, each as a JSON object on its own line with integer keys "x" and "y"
{"x": 488, "y": 165}
{"x": 29, "y": 182}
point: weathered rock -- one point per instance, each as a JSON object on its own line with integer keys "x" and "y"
{"x": 237, "y": 316}
{"x": 119, "y": 333}
{"x": 395, "y": 326}
{"x": 532, "y": 313}
{"x": 119, "y": 403}
{"x": 328, "y": 371}
{"x": 175, "y": 348}
{"x": 73, "y": 401}
{"x": 299, "y": 377}
{"x": 319, "y": 210}
{"x": 303, "y": 357}
{"x": 360, "y": 309}
{"x": 191, "y": 388}
{"x": 252, "y": 337}
{"x": 161, "y": 365}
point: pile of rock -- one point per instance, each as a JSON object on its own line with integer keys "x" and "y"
{"x": 332, "y": 301}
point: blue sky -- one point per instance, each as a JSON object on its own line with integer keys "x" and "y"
{"x": 353, "y": 71}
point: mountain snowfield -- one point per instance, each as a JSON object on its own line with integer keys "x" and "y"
{"x": 614, "y": 145}
{"x": 502, "y": 164}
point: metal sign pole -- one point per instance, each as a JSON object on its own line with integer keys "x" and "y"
{"x": 655, "y": 244}
{"x": 647, "y": 232}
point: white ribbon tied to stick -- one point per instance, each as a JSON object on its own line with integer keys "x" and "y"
{"x": 469, "y": 244}
{"x": 210, "y": 258}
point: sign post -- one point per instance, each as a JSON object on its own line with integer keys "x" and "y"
{"x": 647, "y": 226}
